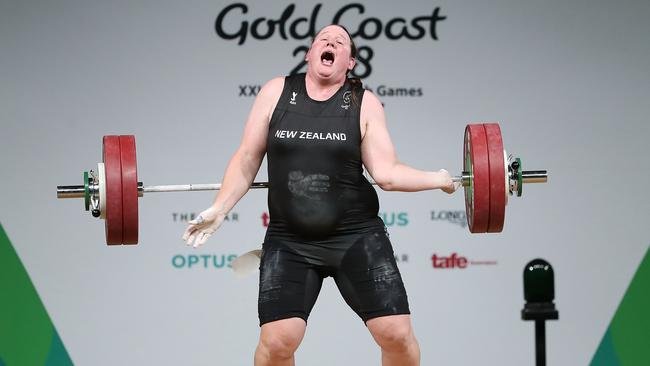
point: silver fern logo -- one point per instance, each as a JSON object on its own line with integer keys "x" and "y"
{"x": 346, "y": 100}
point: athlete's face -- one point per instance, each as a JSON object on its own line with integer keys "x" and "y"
{"x": 330, "y": 54}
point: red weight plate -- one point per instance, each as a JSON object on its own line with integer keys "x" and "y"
{"x": 477, "y": 195}
{"x": 129, "y": 190}
{"x": 497, "y": 177}
{"x": 113, "y": 167}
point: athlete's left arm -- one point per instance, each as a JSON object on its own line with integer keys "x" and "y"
{"x": 379, "y": 157}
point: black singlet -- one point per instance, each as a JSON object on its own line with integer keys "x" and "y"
{"x": 316, "y": 182}
{"x": 323, "y": 212}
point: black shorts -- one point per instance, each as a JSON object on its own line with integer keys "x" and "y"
{"x": 362, "y": 265}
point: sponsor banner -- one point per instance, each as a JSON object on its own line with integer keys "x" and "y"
{"x": 240, "y": 23}
{"x": 265, "y": 219}
{"x": 184, "y": 217}
{"x": 382, "y": 90}
{"x": 202, "y": 261}
{"x": 395, "y": 219}
{"x": 456, "y": 261}
{"x": 455, "y": 217}
{"x": 237, "y": 22}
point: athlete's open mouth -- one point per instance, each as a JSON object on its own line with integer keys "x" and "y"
{"x": 327, "y": 58}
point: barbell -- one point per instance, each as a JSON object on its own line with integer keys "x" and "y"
{"x": 489, "y": 176}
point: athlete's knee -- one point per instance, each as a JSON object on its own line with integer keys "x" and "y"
{"x": 396, "y": 340}
{"x": 280, "y": 342}
{"x": 392, "y": 334}
{"x": 278, "y": 348}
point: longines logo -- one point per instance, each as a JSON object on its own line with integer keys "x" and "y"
{"x": 232, "y": 23}
{"x": 205, "y": 261}
{"x": 187, "y": 216}
{"x": 457, "y": 217}
{"x": 456, "y": 261}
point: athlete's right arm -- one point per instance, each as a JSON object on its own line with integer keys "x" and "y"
{"x": 243, "y": 165}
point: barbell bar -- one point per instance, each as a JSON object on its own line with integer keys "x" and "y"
{"x": 489, "y": 176}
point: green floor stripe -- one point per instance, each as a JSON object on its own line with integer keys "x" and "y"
{"x": 628, "y": 335}
{"x": 631, "y": 325}
{"x": 27, "y": 334}
{"x": 58, "y": 355}
{"x": 606, "y": 354}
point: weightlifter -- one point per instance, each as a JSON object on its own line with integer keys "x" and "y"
{"x": 318, "y": 130}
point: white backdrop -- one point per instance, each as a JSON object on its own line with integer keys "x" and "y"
{"x": 568, "y": 81}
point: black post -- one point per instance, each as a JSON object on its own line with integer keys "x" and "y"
{"x": 539, "y": 293}
{"x": 540, "y": 342}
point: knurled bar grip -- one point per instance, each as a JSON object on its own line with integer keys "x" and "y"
{"x": 532, "y": 176}
{"x": 78, "y": 191}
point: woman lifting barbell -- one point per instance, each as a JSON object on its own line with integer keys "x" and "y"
{"x": 319, "y": 129}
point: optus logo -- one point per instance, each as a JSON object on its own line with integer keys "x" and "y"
{"x": 205, "y": 261}
{"x": 457, "y": 217}
{"x": 456, "y": 261}
{"x": 395, "y": 218}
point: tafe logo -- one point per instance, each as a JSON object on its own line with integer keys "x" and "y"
{"x": 452, "y": 261}
{"x": 455, "y": 261}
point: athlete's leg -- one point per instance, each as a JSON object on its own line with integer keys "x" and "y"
{"x": 288, "y": 289}
{"x": 279, "y": 340}
{"x": 394, "y": 334}
{"x": 371, "y": 284}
